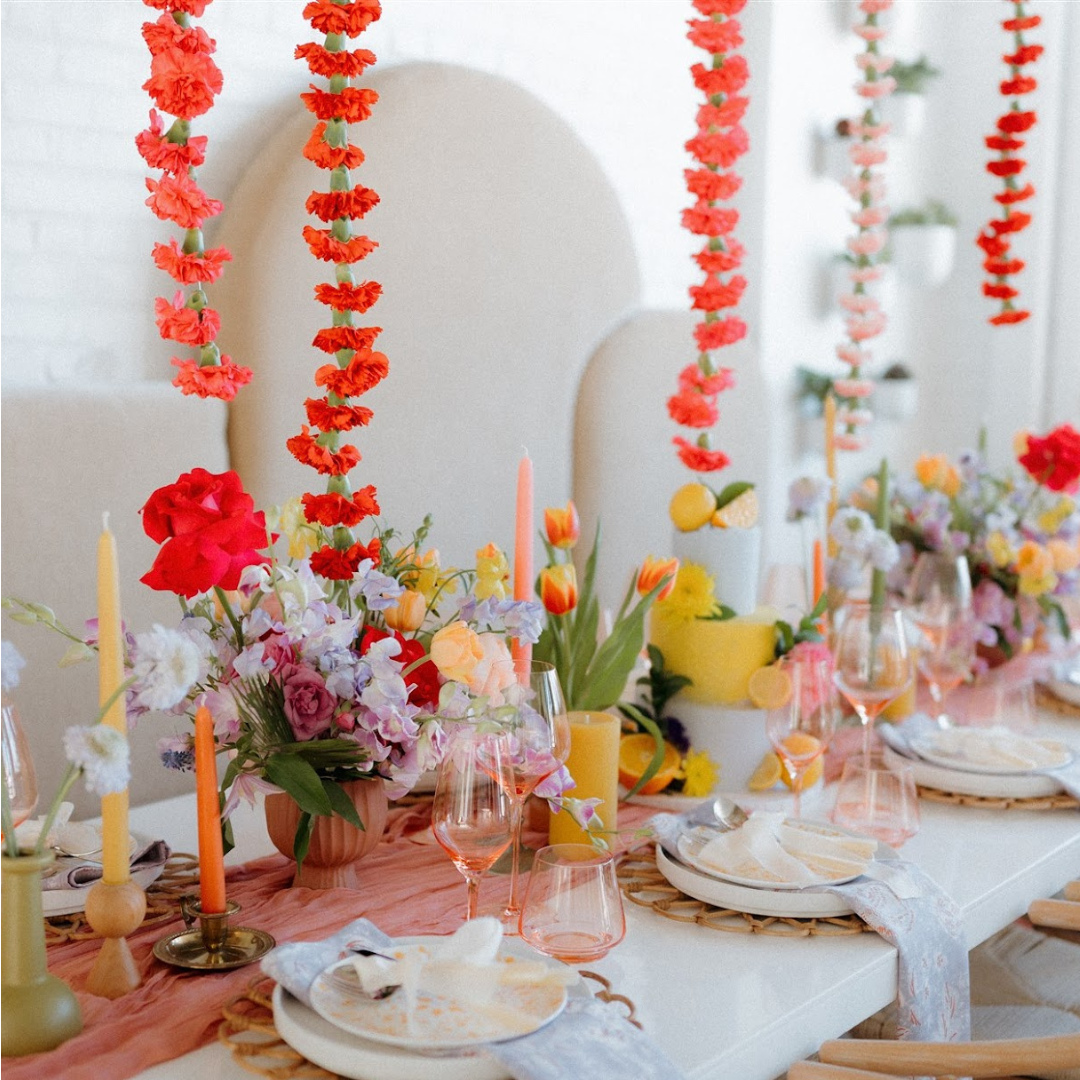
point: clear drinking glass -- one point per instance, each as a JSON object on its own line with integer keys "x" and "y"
{"x": 877, "y": 799}
{"x": 529, "y": 709}
{"x": 471, "y": 814}
{"x": 800, "y": 731}
{"x": 19, "y": 777}
{"x": 573, "y": 908}
{"x": 872, "y": 662}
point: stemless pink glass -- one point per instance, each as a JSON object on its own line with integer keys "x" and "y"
{"x": 877, "y": 799}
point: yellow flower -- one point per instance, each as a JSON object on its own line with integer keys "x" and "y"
{"x": 692, "y": 597}
{"x": 1065, "y": 556}
{"x": 303, "y": 537}
{"x": 936, "y": 473}
{"x": 1035, "y": 567}
{"x": 456, "y": 649}
{"x": 425, "y": 574}
{"x": 699, "y": 773}
{"x": 1001, "y": 551}
{"x": 492, "y": 573}
{"x": 1049, "y": 521}
{"x": 408, "y": 613}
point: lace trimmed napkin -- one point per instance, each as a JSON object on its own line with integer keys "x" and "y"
{"x": 75, "y": 873}
{"x": 984, "y": 747}
{"x": 587, "y": 1038}
{"x": 904, "y": 906}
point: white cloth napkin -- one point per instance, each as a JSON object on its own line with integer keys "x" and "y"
{"x": 81, "y": 873}
{"x": 990, "y": 747}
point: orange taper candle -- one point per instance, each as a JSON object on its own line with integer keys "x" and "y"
{"x": 115, "y": 855}
{"x": 211, "y": 856}
{"x": 819, "y": 572}
{"x": 523, "y": 547}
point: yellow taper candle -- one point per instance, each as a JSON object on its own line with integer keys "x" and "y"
{"x": 114, "y": 808}
{"x": 594, "y": 765}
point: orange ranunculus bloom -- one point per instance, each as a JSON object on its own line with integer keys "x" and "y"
{"x": 307, "y": 451}
{"x": 323, "y": 246}
{"x": 936, "y": 473}
{"x": 327, "y": 205}
{"x": 726, "y": 114}
{"x": 709, "y": 185}
{"x": 183, "y": 324}
{"x": 221, "y": 380}
{"x": 317, "y": 150}
{"x": 321, "y": 61}
{"x": 558, "y": 588}
{"x": 327, "y": 417}
{"x": 653, "y": 571}
{"x": 693, "y": 378}
{"x": 719, "y": 332}
{"x": 350, "y": 19}
{"x": 191, "y": 269}
{"x": 179, "y": 199}
{"x": 700, "y": 458}
{"x": 365, "y": 370}
{"x": 183, "y": 83}
{"x": 408, "y": 613}
{"x": 333, "y": 509}
{"x": 563, "y": 525}
{"x": 721, "y": 261}
{"x": 167, "y": 33}
{"x": 332, "y": 338}
{"x": 341, "y": 565}
{"x": 189, "y": 7}
{"x": 170, "y": 157}
{"x": 349, "y": 297}
{"x": 353, "y": 104}
{"x": 692, "y": 409}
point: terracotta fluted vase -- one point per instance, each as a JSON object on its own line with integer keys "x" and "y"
{"x": 336, "y": 846}
{"x": 40, "y": 1010}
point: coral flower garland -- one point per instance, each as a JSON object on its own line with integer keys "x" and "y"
{"x": 996, "y": 239}
{"x": 720, "y": 141}
{"x": 357, "y": 368}
{"x": 184, "y": 81}
{"x": 863, "y": 317}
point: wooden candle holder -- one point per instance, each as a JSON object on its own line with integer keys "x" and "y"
{"x": 114, "y": 911}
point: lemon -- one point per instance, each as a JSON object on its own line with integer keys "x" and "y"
{"x": 766, "y": 774}
{"x": 635, "y": 753}
{"x": 692, "y": 506}
{"x": 742, "y": 512}
{"x": 769, "y": 687}
{"x": 800, "y": 744}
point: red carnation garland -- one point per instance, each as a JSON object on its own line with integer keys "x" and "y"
{"x": 996, "y": 239}
{"x": 863, "y": 318}
{"x": 184, "y": 80}
{"x": 720, "y": 141}
{"x": 357, "y": 367}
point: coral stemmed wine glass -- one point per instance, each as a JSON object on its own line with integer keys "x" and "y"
{"x": 471, "y": 812}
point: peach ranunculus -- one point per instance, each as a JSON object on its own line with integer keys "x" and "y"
{"x": 408, "y": 613}
{"x": 936, "y": 473}
{"x": 1065, "y": 556}
{"x": 456, "y": 650}
{"x": 490, "y": 676}
{"x": 558, "y": 588}
{"x": 492, "y": 573}
{"x": 563, "y": 525}
{"x": 652, "y": 572}
{"x": 1035, "y": 567}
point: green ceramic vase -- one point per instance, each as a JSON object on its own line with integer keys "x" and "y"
{"x": 40, "y": 1011}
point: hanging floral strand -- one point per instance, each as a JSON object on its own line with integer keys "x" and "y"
{"x": 184, "y": 81}
{"x": 720, "y": 141}
{"x": 357, "y": 368}
{"x": 996, "y": 239}
{"x": 864, "y": 318}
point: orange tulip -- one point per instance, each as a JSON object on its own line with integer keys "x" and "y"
{"x": 408, "y": 613}
{"x": 563, "y": 526}
{"x": 558, "y": 588}
{"x": 653, "y": 571}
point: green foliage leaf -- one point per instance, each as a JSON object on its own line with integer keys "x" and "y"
{"x": 658, "y": 755}
{"x": 295, "y": 776}
{"x": 302, "y": 841}
{"x": 732, "y": 492}
{"x": 342, "y": 805}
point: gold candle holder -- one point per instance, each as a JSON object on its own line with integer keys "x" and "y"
{"x": 114, "y": 910}
{"x": 215, "y": 945}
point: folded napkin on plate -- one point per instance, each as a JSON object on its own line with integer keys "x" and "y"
{"x": 74, "y": 873}
{"x": 588, "y": 1037}
{"x": 986, "y": 747}
{"x": 28, "y": 832}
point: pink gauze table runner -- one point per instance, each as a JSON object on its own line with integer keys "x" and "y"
{"x": 408, "y": 885}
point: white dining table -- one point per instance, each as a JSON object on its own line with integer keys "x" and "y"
{"x": 734, "y": 1006}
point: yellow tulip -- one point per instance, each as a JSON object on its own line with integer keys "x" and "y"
{"x": 563, "y": 525}
{"x": 1001, "y": 551}
{"x": 408, "y": 613}
{"x": 492, "y": 573}
{"x": 558, "y": 588}
{"x": 653, "y": 571}
{"x": 936, "y": 473}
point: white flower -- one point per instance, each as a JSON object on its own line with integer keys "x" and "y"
{"x": 102, "y": 754}
{"x": 852, "y": 529}
{"x": 166, "y": 665}
{"x": 805, "y": 497}
{"x": 884, "y": 553}
{"x": 13, "y": 663}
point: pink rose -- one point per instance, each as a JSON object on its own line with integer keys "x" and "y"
{"x": 308, "y": 704}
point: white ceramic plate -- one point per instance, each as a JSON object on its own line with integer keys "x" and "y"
{"x": 70, "y": 901}
{"x": 687, "y": 846}
{"x": 927, "y": 748}
{"x": 803, "y": 904}
{"x": 1067, "y": 691}
{"x": 987, "y": 785}
{"x": 437, "y": 1022}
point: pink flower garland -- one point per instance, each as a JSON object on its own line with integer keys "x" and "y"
{"x": 720, "y": 141}
{"x": 184, "y": 81}
{"x": 996, "y": 240}
{"x": 864, "y": 318}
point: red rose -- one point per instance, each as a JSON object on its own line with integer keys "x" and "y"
{"x": 209, "y": 531}
{"x": 1054, "y": 460}
{"x": 423, "y": 682}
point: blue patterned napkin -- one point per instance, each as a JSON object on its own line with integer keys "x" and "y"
{"x": 897, "y": 736}
{"x": 589, "y": 1038}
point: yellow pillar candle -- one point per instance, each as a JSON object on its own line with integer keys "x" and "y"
{"x": 115, "y": 857}
{"x": 594, "y": 765}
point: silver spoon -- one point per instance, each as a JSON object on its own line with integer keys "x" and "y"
{"x": 721, "y": 814}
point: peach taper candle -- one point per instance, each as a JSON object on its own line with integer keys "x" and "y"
{"x": 211, "y": 853}
{"x": 523, "y": 547}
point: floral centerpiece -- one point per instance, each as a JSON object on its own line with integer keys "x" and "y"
{"x": 1019, "y": 529}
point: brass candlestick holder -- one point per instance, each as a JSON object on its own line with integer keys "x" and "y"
{"x": 114, "y": 910}
{"x": 214, "y": 945}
